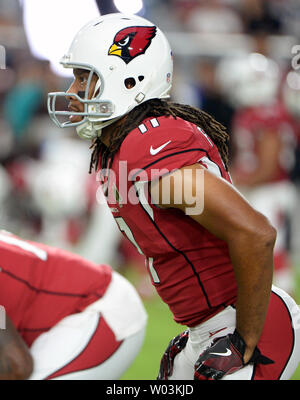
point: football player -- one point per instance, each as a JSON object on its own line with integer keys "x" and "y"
{"x": 164, "y": 167}
{"x": 66, "y": 318}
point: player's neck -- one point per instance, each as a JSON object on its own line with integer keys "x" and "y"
{"x": 110, "y": 131}
{"x": 105, "y": 136}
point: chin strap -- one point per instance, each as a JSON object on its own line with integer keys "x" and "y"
{"x": 90, "y": 130}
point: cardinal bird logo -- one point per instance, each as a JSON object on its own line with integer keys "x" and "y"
{"x": 132, "y": 42}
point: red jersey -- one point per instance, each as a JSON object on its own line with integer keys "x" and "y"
{"x": 190, "y": 267}
{"x": 248, "y": 128}
{"x": 40, "y": 285}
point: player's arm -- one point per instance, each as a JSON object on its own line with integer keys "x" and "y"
{"x": 268, "y": 152}
{"x": 15, "y": 359}
{"x": 249, "y": 236}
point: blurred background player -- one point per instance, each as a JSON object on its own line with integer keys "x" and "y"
{"x": 290, "y": 97}
{"x": 67, "y": 318}
{"x": 264, "y": 141}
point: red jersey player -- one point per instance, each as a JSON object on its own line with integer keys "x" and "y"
{"x": 67, "y": 318}
{"x": 165, "y": 173}
{"x": 290, "y": 95}
{"x": 264, "y": 143}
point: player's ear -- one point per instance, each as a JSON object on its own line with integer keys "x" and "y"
{"x": 130, "y": 83}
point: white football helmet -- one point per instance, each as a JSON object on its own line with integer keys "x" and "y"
{"x": 117, "y": 48}
{"x": 249, "y": 80}
{"x": 291, "y": 93}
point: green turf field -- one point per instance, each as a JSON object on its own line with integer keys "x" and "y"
{"x": 161, "y": 328}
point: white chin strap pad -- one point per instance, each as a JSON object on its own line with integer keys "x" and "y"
{"x": 88, "y": 131}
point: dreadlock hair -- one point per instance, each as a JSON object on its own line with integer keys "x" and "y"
{"x": 157, "y": 108}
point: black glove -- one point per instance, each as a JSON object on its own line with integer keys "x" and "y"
{"x": 175, "y": 346}
{"x": 225, "y": 356}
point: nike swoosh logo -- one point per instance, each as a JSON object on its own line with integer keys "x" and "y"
{"x": 228, "y": 353}
{"x": 158, "y": 149}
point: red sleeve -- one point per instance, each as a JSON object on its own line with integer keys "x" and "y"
{"x": 162, "y": 145}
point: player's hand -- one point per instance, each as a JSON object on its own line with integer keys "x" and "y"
{"x": 225, "y": 356}
{"x": 175, "y": 346}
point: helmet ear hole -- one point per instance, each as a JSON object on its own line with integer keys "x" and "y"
{"x": 129, "y": 83}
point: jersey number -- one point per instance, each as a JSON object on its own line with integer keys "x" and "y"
{"x": 125, "y": 228}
